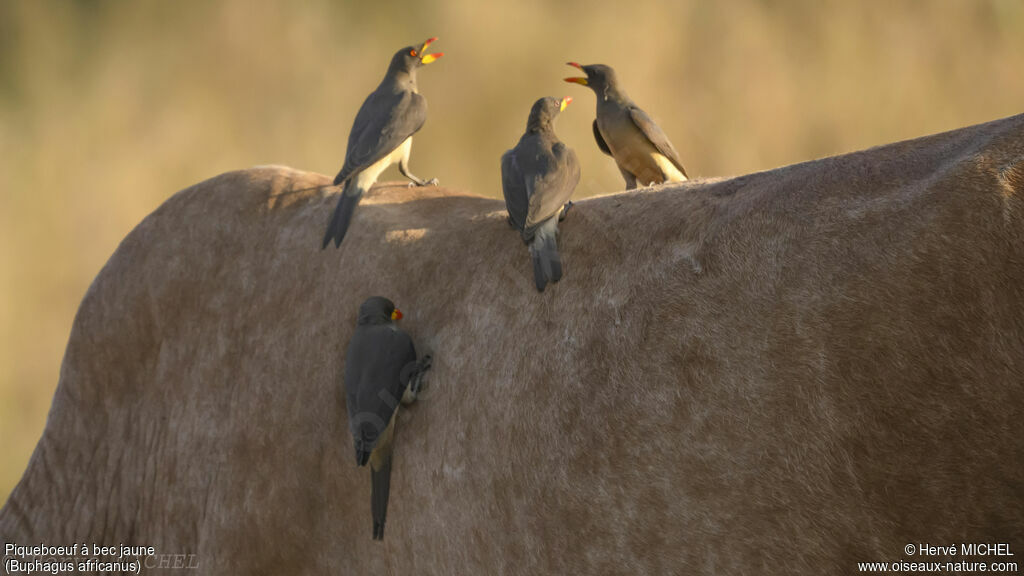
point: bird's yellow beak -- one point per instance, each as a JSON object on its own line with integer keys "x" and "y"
{"x": 396, "y": 315}
{"x": 577, "y": 80}
{"x": 565, "y": 103}
{"x": 428, "y": 58}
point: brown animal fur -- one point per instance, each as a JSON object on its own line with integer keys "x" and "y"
{"x": 783, "y": 373}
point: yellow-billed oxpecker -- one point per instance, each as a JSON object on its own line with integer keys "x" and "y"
{"x": 381, "y": 370}
{"x": 627, "y": 134}
{"x": 537, "y": 177}
{"x": 382, "y": 134}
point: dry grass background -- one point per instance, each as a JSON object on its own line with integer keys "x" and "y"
{"x": 107, "y": 108}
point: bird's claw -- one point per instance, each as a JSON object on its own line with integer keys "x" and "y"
{"x": 565, "y": 210}
{"x": 419, "y": 183}
{"x": 425, "y": 363}
{"x": 417, "y": 384}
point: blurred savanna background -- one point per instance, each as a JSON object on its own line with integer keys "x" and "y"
{"x": 107, "y": 108}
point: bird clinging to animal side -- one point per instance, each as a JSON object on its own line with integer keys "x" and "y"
{"x": 627, "y": 134}
{"x": 382, "y": 134}
{"x": 381, "y": 370}
{"x": 538, "y": 176}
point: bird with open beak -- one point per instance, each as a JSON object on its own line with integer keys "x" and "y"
{"x": 627, "y": 134}
{"x": 538, "y": 177}
{"x": 382, "y": 135}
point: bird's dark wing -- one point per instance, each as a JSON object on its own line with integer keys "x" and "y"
{"x": 384, "y": 121}
{"x": 373, "y": 383}
{"x": 600, "y": 140}
{"x": 514, "y": 187}
{"x": 656, "y": 136}
{"x": 551, "y": 185}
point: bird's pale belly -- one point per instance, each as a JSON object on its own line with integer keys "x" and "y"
{"x": 639, "y": 157}
{"x": 668, "y": 169}
{"x": 367, "y": 178}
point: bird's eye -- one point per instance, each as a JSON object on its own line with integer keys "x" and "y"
{"x": 412, "y": 52}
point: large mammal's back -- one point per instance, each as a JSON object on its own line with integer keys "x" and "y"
{"x": 787, "y": 372}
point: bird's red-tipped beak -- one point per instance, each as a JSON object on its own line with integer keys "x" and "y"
{"x": 428, "y": 58}
{"x": 565, "y": 103}
{"x": 396, "y": 315}
{"x": 577, "y": 80}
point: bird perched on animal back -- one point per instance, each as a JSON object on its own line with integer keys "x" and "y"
{"x": 537, "y": 177}
{"x": 381, "y": 370}
{"x": 627, "y": 134}
{"x": 382, "y": 135}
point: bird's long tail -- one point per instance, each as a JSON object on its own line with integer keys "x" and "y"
{"x": 380, "y": 487}
{"x": 342, "y": 214}
{"x": 380, "y": 478}
{"x": 547, "y": 263}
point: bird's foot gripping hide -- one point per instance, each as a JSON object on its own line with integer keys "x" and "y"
{"x": 413, "y": 374}
{"x": 431, "y": 182}
{"x": 565, "y": 210}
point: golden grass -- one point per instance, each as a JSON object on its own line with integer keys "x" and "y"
{"x": 107, "y": 108}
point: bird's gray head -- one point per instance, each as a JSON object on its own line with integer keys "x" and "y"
{"x": 600, "y": 78}
{"x": 544, "y": 112}
{"x": 378, "y": 310}
{"x": 409, "y": 59}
